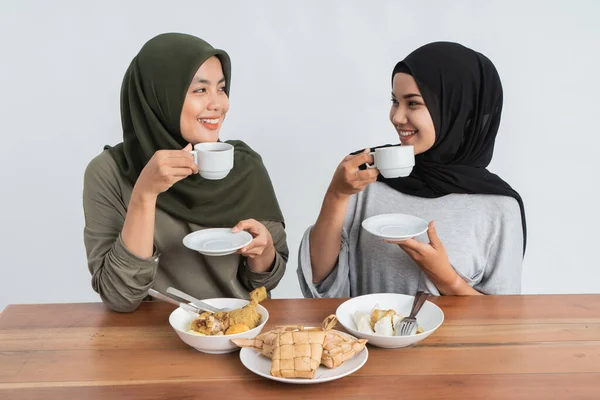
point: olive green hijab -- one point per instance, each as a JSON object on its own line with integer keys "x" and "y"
{"x": 152, "y": 96}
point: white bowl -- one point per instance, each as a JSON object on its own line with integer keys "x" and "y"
{"x": 181, "y": 319}
{"x": 429, "y": 318}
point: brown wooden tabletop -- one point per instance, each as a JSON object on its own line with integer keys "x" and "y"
{"x": 489, "y": 347}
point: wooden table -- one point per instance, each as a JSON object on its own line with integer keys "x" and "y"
{"x": 489, "y": 347}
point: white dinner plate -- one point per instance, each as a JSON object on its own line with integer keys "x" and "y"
{"x": 217, "y": 241}
{"x": 395, "y": 226}
{"x": 261, "y": 365}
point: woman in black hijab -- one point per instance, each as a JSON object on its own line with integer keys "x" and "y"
{"x": 446, "y": 103}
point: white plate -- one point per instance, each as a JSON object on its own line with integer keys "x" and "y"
{"x": 395, "y": 226}
{"x": 217, "y": 241}
{"x": 261, "y": 365}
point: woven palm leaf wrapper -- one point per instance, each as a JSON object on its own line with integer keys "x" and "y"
{"x": 265, "y": 342}
{"x": 297, "y": 354}
{"x": 337, "y": 347}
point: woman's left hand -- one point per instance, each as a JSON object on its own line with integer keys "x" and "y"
{"x": 431, "y": 257}
{"x": 433, "y": 260}
{"x": 261, "y": 251}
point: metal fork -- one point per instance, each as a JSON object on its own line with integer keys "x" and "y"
{"x": 198, "y": 303}
{"x": 409, "y": 324}
{"x": 188, "y": 307}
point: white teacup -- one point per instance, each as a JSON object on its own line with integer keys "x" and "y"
{"x": 214, "y": 159}
{"x": 394, "y": 161}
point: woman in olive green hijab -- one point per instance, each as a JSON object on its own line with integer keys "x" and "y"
{"x": 144, "y": 195}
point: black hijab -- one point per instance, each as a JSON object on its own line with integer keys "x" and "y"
{"x": 152, "y": 97}
{"x": 462, "y": 91}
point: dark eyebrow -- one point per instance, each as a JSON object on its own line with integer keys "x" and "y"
{"x": 408, "y": 96}
{"x": 207, "y": 82}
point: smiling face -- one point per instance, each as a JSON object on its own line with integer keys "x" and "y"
{"x": 205, "y": 105}
{"x": 410, "y": 115}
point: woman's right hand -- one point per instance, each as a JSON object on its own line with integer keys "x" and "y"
{"x": 326, "y": 234}
{"x": 348, "y": 179}
{"x": 165, "y": 168}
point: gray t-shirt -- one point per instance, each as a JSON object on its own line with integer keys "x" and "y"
{"x": 482, "y": 235}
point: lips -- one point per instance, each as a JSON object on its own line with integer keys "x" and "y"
{"x": 210, "y": 123}
{"x": 407, "y": 135}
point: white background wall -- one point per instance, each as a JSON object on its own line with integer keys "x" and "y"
{"x": 311, "y": 82}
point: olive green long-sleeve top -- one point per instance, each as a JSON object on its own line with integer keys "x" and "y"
{"x": 122, "y": 279}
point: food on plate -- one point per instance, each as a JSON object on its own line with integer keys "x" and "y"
{"x": 237, "y": 328}
{"x": 339, "y": 348}
{"x": 297, "y": 354}
{"x": 231, "y": 322}
{"x": 248, "y": 315}
{"x": 380, "y": 322}
{"x": 297, "y": 351}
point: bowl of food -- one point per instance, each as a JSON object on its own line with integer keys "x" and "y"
{"x": 212, "y": 332}
{"x": 377, "y": 316}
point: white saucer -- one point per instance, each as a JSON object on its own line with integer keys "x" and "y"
{"x": 395, "y": 226}
{"x": 261, "y": 365}
{"x": 217, "y": 241}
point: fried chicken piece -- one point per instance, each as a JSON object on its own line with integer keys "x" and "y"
{"x": 248, "y": 315}
{"x": 207, "y": 324}
{"x": 236, "y": 321}
{"x": 223, "y": 318}
{"x": 258, "y": 295}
